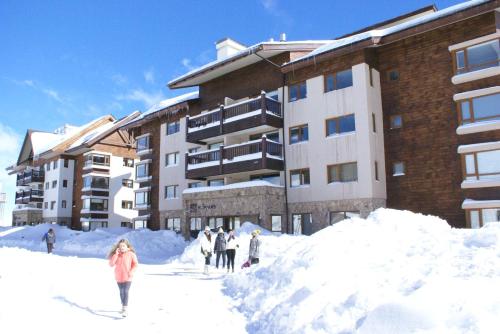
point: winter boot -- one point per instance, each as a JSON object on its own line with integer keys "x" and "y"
{"x": 205, "y": 270}
{"x": 124, "y": 311}
{"x": 228, "y": 270}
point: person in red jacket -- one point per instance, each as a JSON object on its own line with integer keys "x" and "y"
{"x": 122, "y": 257}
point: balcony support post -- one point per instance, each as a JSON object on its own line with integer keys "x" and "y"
{"x": 221, "y": 159}
{"x": 263, "y": 107}
{"x": 264, "y": 152}
{"x": 187, "y": 125}
{"x": 221, "y": 119}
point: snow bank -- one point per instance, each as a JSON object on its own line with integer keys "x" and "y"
{"x": 151, "y": 246}
{"x": 395, "y": 272}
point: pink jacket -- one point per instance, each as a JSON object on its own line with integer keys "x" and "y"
{"x": 125, "y": 266}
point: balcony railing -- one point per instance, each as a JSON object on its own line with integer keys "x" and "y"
{"x": 477, "y": 57}
{"x": 248, "y": 114}
{"x": 30, "y": 177}
{"x": 253, "y": 155}
{"x": 28, "y": 196}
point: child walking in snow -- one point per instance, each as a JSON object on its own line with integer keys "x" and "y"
{"x": 122, "y": 257}
{"x": 50, "y": 238}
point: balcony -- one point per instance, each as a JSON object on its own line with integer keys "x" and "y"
{"x": 260, "y": 111}
{"x": 97, "y": 162}
{"x": 250, "y": 156}
{"x": 29, "y": 196}
{"x": 31, "y": 176}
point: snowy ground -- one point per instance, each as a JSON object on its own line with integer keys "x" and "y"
{"x": 395, "y": 272}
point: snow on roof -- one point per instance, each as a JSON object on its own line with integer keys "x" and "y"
{"x": 391, "y": 30}
{"x": 93, "y": 134}
{"x": 165, "y": 104}
{"x": 256, "y": 183}
{"x": 248, "y": 51}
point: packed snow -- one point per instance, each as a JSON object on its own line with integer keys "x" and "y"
{"x": 394, "y": 272}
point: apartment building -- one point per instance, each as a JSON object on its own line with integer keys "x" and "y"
{"x": 296, "y": 136}
{"x": 78, "y": 176}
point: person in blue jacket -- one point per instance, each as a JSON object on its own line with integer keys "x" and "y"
{"x": 50, "y": 238}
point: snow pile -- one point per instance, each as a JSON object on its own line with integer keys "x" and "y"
{"x": 151, "y": 246}
{"x": 395, "y": 272}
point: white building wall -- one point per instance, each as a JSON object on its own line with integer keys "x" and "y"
{"x": 118, "y": 192}
{"x": 59, "y": 193}
{"x": 362, "y": 146}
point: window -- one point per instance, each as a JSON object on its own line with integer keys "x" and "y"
{"x": 234, "y": 223}
{"x": 376, "y": 171}
{"x": 96, "y": 159}
{"x": 128, "y": 162}
{"x": 297, "y": 91}
{"x": 127, "y": 205}
{"x": 63, "y": 204}
{"x": 54, "y": 164}
{"x": 393, "y": 75}
{"x": 142, "y": 170}
{"x": 299, "y": 134}
{"x": 398, "y": 169}
{"x": 127, "y": 183}
{"x": 98, "y": 182}
{"x": 194, "y": 149}
{"x": 173, "y": 127}
{"x": 54, "y": 184}
{"x": 396, "y": 122}
{"x": 216, "y": 183}
{"x": 337, "y": 216}
{"x": 66, "y": 163}
{"x": 299, "y": 177}
{"x": 271, "y": 178}
{"x": 215, "y": 222}
{"x": 274, "y": 136}
{"x": 48, "y": 166}
{"x": 172, "y": 159}
{"x": 215, "y": 145}
{"x": 374, "y": 124}
{"x": 195, "y": 224}
{"x": 339, "y": 80}
{"x": 343, "y": 172}
{"x": 52, "y": 205}
{"x": 142, "y": 144}
{"x": 195, "y": 185}
{"x": 142, "y": 198}
{"x": 276, "y": 223}
{"x": 477, "y": 57}
{"x": 173, "y": 224}
{"x": 46, "y": 205}
{"x": 47, "y": 185}
{"x": 171, "y": 191}
{"x": 95, "y": 204}
{"x": 340, "y": 125}
{"x": 65, "y": 183}
{"x": 482, "y": 165}
{"x": 125, "y": 224}
{"x": 477, "y": 109}
{"x": 478, "y": 217}
{"x": 299, "y": 222}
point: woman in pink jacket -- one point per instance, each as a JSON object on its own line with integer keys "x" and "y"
{"x": 123, "y": 258}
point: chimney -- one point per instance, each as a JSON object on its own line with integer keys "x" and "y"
{"x": 227, "y": 47}
{"x": 282, "y": 37}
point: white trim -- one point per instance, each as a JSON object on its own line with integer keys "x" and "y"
{"x": 94, "y": 211}
{"x": 478, "y": 127}
{"x": 98, "y": 174}
{"x": 97, "y": 152}
{"x": 92, "y": 166}
{"x": 142, "y": 207}
{"x": 145, "y": 217}
{"x": 143, "y": 189}
{"x": 143, "y": 179}
{"x": 474, "y": 41}
{"x": 90, "y": 196}
{"x": 495, "y": 145}
{"x": 95, "y": 189}
{"x": 473, "y": 204}
{"x": 144, "y": 152}
{"x": 476, "y": 93}
{"x": 476, "y": 75}
{"x": 468, "y": 184}
{"x": 143, "y": 162}
{"x": 90, "y": 220}
{"x": 143, "y": 135}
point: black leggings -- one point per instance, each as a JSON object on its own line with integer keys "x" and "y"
{"x": 124, "y": 287}
{"x": 207, "y": 259}
{"x": 231, "y": 254}
{"x": 219, "y": 253}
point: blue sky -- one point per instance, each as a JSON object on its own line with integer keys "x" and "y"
{"x": 73, "y": 61}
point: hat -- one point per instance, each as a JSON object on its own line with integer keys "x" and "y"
{"x": 256, "y": 232}
{"x": 221, "y": 230}
{"x": 207, "y": 229}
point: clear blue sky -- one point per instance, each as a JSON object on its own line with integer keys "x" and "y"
{"x": 72, "y": 61}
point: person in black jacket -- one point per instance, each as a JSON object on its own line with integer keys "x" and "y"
{"x": 220, "y": 248}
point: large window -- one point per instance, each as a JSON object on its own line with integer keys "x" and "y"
{"x": 338, "y": 80}
{"x": 172, "y": 159}
{"x": 299, "y": 134}
{"x": 95, "y": 204}
{"x": 337, "y": 216}
{"x": 173, "y": 224}
{"x": 478, "y": 217}
{"x": 343, "y": 172}
{"x": 171, "y": 191}
{"x": 299, "y": 222}
{"x": 127, "y": 205}
{"x": 96, "y": 159}
{"x": 142, "y": 143}
{"x": 482, "y": 165}
{"x": 142, "y": 198}
{"x": 215, "y": 183}
{"x": 297, "y": 91}
{"x": 276, "y": 223}
{"x": 195, "y": 224}
{"x": 99, "y": 182}
{"x": 340, "y": 125}
{"x": 142, "y": 170}
{"x": 299, "y": 177}
{"x": 173, "y": 127}
{"x": 477, "y": 57}
{"x": 477, "y": 109}
{"x": 195, "y": 185}
{"x": 271, "y": 178}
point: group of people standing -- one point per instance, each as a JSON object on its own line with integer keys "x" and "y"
{"x": 226, "y": 248}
